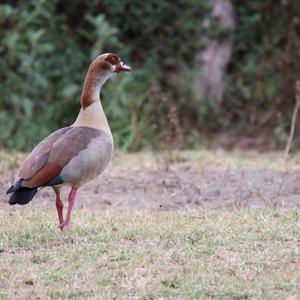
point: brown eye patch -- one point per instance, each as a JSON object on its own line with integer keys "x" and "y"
{"x": 113, "y": 59}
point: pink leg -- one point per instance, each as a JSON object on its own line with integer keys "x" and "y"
{"x": 71, "y": 199}
{"x": 59, "y": 207}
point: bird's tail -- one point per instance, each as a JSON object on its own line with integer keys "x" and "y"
{"x": 20, "y": 195}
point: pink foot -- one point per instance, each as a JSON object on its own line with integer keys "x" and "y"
{"x": 64, "y": 226}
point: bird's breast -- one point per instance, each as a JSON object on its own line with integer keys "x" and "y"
{"x": 90, "y": 162}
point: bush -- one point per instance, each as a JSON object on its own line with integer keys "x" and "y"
{"x": 46, "y": 46}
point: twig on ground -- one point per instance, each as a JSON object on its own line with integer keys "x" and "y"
{"x": 293, "y": 121}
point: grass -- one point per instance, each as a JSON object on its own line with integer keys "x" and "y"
{"x": 173, "y": 255}
{"x": 240, "y": 254}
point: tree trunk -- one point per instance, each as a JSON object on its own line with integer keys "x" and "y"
{"x": 212, "y": 60}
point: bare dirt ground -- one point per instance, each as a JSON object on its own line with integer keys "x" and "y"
{"x": 184, "y": 180}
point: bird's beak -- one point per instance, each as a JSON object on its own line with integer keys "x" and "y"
{"x": 121, "y": 67}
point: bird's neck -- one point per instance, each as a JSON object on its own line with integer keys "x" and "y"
{"x": 91, "y": 113}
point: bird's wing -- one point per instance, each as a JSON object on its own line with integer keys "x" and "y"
{"x": 38, "y": 158}
{"x": 48, "y": 158}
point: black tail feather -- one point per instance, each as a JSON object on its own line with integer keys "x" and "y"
{"x": 21, "y": 196}
{"x": 10, "y": 190}
{"x": 16, "y": 186}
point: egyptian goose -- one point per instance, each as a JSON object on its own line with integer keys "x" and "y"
{"x": 76, "y": 154}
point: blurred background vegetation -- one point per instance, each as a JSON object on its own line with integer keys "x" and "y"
{"x": 46, "y": 47}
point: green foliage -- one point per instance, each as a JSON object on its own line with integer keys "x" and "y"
{"x": 46, "y": 47}
{"x": 38, "y": 71}
{"x": 264, "y": 67}
{"x": 158, "y": 28}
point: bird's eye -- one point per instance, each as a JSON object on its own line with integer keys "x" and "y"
{"x": 113, "y": 59}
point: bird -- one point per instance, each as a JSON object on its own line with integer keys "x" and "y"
{"x": 74, "y": 155}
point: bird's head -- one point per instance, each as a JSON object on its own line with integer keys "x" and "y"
{"x": 106, "y": 65}
{"x": 101, "y": 68}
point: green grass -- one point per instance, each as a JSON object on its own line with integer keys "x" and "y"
{"x": 129, "y": 255}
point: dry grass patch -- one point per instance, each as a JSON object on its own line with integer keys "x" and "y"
{"x": 129, "y": 255}
{"x": 207, "y": 158}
